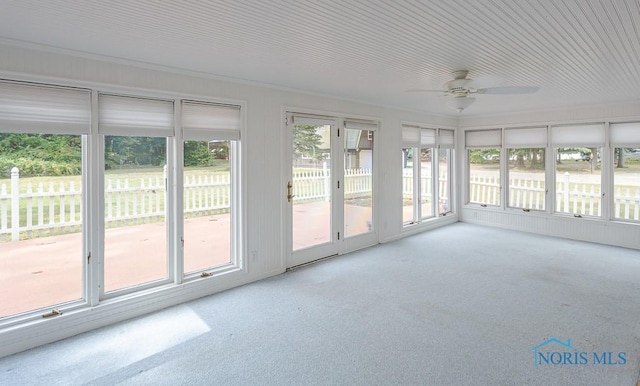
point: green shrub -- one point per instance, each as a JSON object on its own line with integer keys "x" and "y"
{"x": 30, "y": 167}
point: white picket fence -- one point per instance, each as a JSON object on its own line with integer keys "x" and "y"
{"x": 52, "y": 209}
{"x": 571, "y": 197}
{"x": 316, "y": 184}
{"x": 49, "y": 209}
{"x": 426, "y": 189}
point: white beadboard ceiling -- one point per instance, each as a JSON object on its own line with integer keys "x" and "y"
{"x": 580, "y": 52}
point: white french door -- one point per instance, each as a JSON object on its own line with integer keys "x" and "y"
{"x": 329, "y": 187}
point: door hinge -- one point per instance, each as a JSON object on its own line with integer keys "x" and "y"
{"x": 286, "y": 121}
{"x": 89, "y": 258}
{"x": 338, "y": 132}
{"x": 290, "y": 195}
{"x": 338, "y": 235}
{"x": 338, "y": 184}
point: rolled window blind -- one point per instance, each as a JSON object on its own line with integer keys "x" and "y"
{"x": 361, "y": 125}
{"x": 483, "y": 139}
{"x": 298, "y": 120}
{"x": 445, "y": 139}
{"x": 410, "y": 136}
{"x": 591, "y": 135}
{"x": 32, "y": 108}
{"x": 124, "y": 115}
{"x": 625, "y": 134}
{"x": 208, "y": 121}
{"x": 530, "y": 137}
{"x": 427, "y": 137}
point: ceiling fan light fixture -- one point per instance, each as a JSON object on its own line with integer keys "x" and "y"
{"x": 461, "y": 103}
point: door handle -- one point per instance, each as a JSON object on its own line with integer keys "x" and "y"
{"x": 289, "y": 191}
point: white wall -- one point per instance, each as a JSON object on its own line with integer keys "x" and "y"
{"x": 594, "y": 230}
{"x": 263, "y": 143}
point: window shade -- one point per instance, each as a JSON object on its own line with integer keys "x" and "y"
{"x": 625, "y": 134}
{"x": 483, "y": 139}
{"x": 120, "y": 115}
{"x": 360, "y": 125}
{"x": 427, "y": 137}
{"x": 531, "y": 137}
{"x": 311, "y": 121}
{"x": 208, "y": 121}
{"x": 44, "y": 109}
{"x": 591, "y": 135}
{"x": 410, "y": 136}
{"x": 445, "y": 139}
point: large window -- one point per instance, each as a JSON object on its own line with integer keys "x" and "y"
{"x": 94, "y": 206}
{"x": 426, "y": 173}
{"x": 135, "y": 189}
{"x": 625, "y": 141}
{"x": 210, "y": 185}
{"x": 526, "y": 167}
{"x": 42, "y": 200}
{"x": 483, "y": 155}
{"x": 578, "y": 171}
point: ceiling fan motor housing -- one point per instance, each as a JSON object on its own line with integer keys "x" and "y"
{"x": 460, "y": 86}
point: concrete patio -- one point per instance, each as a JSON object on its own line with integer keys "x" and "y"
{"x": 45, "y": 272}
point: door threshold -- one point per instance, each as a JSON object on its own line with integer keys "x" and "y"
{"x": 295, "y": 267}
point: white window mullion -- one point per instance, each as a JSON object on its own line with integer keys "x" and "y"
{"x": 169, "y": 206}
{"x": 176, "y": 258}
{"x": 504, "y": 174}
{"x": 435, "y": 171}
{"x": 237, "y": 247}
{"x": 417, "y": 180}
{"x": 607, "y": 165}
{"x": 550, "y": 177}
{"x": 96, "y": 202}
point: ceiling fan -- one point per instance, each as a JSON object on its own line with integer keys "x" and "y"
{"x": 460, "y": 88}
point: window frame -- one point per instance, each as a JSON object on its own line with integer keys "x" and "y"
{"x": 526, "y": 138}
{"x": 593, "y": 135}
{"x": 622, "y": 135}
{"x": 92, "y": 184}
{"x": 414, "y": 138}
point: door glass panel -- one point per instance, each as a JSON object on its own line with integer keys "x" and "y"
{"x": 135, "y": 248}
{"x": 426, "y": 183}
{"x": 40, "y": 221}
{"x": 311, "y": 186}
{"x": 207, "y": 205}
{"x": 358, "y": 182}
{"x": 444, "y": 170}
{"x": 407, "y": 185}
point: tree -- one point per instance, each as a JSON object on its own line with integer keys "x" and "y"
{"x": 196, "y": 153}
{"x": 306, "y": 142}
{"x": 483, "y": 156}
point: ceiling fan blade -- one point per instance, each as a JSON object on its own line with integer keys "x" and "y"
{"x": 508, "y": 90}
{"x": 425, "y": 90}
